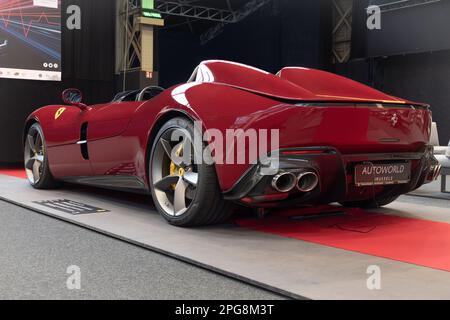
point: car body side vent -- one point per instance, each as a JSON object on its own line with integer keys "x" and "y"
{"x": 83, "y": 141}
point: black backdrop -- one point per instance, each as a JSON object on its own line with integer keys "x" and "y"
{"x": 88, "y": 63}
{"x": 282, "y": 33}
{"x": 409, "y": 57}
{"x": 416, "y": 29}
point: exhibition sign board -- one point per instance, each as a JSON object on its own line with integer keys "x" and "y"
{"x": 30, "y": 39}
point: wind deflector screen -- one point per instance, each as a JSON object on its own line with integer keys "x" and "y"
{"x": 30, "y": 39}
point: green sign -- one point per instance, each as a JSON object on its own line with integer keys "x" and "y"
{"x": 148, "y": 9}
{"x": 151, "y": 14}
{"x": 148, "y": 4}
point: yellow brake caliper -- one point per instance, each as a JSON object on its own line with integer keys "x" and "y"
{"x": 174, "y": 170}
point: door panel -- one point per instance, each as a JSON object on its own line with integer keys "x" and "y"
{"x": 114, "y": 156}
{"x": 110, "y": 120}
{"x": 110, "y": 152}
{"x": 67, "y": 161}
{"x": 106, "y": 129}
{"x": 103, "y": 150}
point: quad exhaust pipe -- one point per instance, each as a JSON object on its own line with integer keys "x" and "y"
{"x": 307, "y": 181}
{"x": 435, "y": 172}
{"x": 287, "y": 181}
{"x": 284, "y": 182}
{"x": 438, "y": 171}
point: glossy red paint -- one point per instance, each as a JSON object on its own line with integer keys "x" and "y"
{"x": 225, "y": 96}
{"x": 333, "y": 87}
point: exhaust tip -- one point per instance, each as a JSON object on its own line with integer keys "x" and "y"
{"x": 307, "y": 181}
{"x": 434, "y": 173}
{"x": 284, "y": 182}
{"x": 437, "y": 172}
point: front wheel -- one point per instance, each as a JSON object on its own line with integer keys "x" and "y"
{"x": 185, "y": 193}
{"x": 36, "y": 159}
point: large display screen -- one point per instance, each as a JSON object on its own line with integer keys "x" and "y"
{"x": 30, "y": 39}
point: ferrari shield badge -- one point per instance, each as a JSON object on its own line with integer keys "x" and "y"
{"x": 59, "y": 113}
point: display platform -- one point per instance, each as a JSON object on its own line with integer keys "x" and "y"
{"x": 432, "y": 190}
{"x": 325, "y": 255}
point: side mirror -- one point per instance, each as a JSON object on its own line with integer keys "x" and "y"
{"x": 74, "y": 97}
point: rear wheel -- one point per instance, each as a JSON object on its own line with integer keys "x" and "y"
{"x": 185, "y": 193}
{"x": 36, "y": 159}
{"x": 371, "y": 204}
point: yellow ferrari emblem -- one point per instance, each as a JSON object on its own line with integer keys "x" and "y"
{"x": 59, "y": 113}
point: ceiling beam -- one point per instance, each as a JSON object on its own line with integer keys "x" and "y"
{"x": 180, "y": 9}
{"x": 403, "y": 4}
{"x": 239, "y": 15}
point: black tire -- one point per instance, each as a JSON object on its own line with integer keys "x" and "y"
{"x": 207, "y": 206}
{"x": 370, "y": 204}
{"x": 46, "y": 180}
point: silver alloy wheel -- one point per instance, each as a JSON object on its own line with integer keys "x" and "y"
{"x": 174, "y": 179}
{"x": 34, "y": 155}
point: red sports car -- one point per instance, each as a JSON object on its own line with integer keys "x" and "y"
{"x": 336, "y": 141}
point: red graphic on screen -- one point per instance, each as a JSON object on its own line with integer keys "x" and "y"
{"x": 17, "y": 9}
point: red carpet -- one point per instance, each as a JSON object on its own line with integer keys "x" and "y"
{"x": 18, "y": 173}
{"x": 419, "y": 242}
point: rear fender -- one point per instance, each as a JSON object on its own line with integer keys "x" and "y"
{"x": 221, "y": 107}
{"x": 351, "y": 129}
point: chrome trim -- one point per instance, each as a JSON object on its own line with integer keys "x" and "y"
{"x": 312, "y": 185}
{"x": 389, "y": 140}
{"x": 290, "y": 184}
